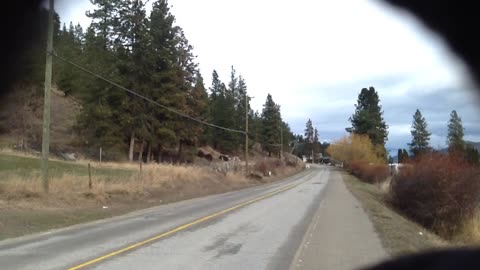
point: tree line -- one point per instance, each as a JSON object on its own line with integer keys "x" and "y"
{"x": 420, "y": 143}
{"x": 309, "y": 144}
{"x": 367, "y": 120}
{"x": 149, "y": 54}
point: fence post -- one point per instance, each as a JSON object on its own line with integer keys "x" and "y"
{"x": 100, "y": 155}
{"x": 89, "y": 176}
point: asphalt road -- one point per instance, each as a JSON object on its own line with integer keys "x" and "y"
{"x": 256, "y": 228}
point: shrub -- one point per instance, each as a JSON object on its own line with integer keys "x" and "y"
{"x": 438, "y": 191}
{"x": 266, "y": 165}
{"x": 354, "y": 148}
{"x": 370, "y": 173}
{"x": 261, "y": 167}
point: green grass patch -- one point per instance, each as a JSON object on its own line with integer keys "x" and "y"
{"x": 25, "y": 167}
{"x": 398, "y": 234}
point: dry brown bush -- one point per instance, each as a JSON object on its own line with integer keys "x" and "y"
{"x": 439, "y": 191}
{"x": 369, "y": 173}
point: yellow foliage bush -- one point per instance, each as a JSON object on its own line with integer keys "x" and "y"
{"x": 355, "y": 148}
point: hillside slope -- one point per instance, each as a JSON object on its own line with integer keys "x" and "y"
{"x": 21, "y": 119}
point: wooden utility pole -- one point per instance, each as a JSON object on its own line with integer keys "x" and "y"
{"x": 46, "y": 101}
{"x": 246, "y": 134}
{"x": 89, "y": 176}
{"x": 281, "y": 142}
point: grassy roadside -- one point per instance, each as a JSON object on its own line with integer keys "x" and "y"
{"x": 117, "y": 189}
{"x": 16, "y": 222}
{"x": 398, "y": 234}
{"x": 26, "y": 166}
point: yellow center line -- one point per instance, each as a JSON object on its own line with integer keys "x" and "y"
{"x": 180, "y": 228}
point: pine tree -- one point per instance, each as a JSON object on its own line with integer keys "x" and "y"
{"x": 309, "y": 133}
{"x": 214, "y": 111}
{"x": 420, "y": 135}
{"x": 230, "y": 113}
{"x": 240, "y": 103}
{"x": 99, "y": 122}
{"x": 131, "y": 46}
{"x": 175, "y": 80}
{"x": 255, "y": 127}
{"x": 105, "y": 20}
{"x": 400, "y": 155}
{"x": 288, "y": 137}
{"x": 316, "y": 142}
{"x": 187, "y": 82}
{"x": 455, "y": 134}
{"x": 69, "y": 45}
{"x": 197, "y": 103}
{"x": 222, "y": 113}
{"x": 368, "y": 119}
{"x": 271, "y": 121}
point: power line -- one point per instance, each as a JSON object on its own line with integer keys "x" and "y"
{"x": 146, "y": 98}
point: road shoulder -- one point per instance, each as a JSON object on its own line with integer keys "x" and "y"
{"x": 340, "y": 235}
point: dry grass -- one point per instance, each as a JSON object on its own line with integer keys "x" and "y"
{"x": 121, "y": 187}
{"x": 69, "y": 181}
{"x": 153, "y": 179}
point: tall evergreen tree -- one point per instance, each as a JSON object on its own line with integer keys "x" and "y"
{"x": 222, "y": 113}
{"x": 99, "y": 121}
{"x": 420, "y": 135}
{"x": 198, "y": 107}
{"x": 309, "y": 133}
{"x": 368, "y": 119}
{"x": 455, "y": 134}
{"x": 255, "y": 127}
{"x": 272, "y": 121}
{"x": 288, "y": 137}
{"x": 400, "y": 156}
{"x": 230, "y": 111}
{"x": 316, "y": 142}
{"x": 67, "y": 46}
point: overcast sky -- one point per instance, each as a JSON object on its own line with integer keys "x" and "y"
{"x": 314, "y": 57}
